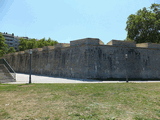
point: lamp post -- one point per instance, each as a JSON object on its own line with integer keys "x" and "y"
{"x": 30, "y": 65}
{"x": 126, "y": 57}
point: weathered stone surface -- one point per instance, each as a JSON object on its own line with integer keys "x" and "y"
{"x": 61, "y": 45}
{"x": 5, "y": 75}
{"x": 122, "y": 43}
{"x": 148, "y": 45}
{"x": 89, "y": 59}
{"x": 86, "y": 41}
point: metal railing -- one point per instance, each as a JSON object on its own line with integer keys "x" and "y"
{"x": 10, "y": 69}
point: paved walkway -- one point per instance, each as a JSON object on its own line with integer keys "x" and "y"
{"x": 24, "y": 78}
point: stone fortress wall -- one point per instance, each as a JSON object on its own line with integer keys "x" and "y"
{"x": 90, "y": 58}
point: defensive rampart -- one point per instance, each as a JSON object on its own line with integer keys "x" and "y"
{"x": 90, "y": 58}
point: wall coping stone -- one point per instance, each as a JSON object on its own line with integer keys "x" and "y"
{"x": 148, "y": 45}
{"x": 122, "y": 43}
{"x": 86, "y": 41}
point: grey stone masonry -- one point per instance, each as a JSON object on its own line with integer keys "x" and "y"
{"x": 5, "y": 75}
{"x": 148, "y": 45}
{"x": 90, "y": 58}
{"x": 122, "y": 43}
{"x": 86, "y": 41}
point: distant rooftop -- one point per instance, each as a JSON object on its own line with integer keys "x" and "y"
{"x": 12, "y": 35}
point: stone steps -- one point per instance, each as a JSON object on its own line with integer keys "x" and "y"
{"x": 5, "y": 75}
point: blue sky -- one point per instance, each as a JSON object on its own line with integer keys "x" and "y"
{"x": 66, "y": 20}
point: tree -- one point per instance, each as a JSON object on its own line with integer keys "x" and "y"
{"x": 33, "y": 43}
{"x": 11, "y": 50}
{"x": 22, "y": 44}
{"x": 144, "y": 26}
{"x": 43, "y": 42}
{"x": 25, "y": 44}
{"x": 3, "y": 46}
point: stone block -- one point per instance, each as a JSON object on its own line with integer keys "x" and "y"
{"x": 148, "y": 45}
{"x": 21, "y": 52}
{"x": 86, "y": 41}
{"x": 48, "y": 47}
{"x": 26, "y": 51}
{"x": 62, "y": 45}
{"x": 122, "y": 43}
{"x": 37, "y": 49}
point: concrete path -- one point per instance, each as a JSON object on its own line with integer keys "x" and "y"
{"x": 24, "y": 78}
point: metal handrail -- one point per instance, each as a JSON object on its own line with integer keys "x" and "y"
{"x": 10, "y": 69}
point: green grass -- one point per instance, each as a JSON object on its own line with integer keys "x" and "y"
{"x": 120, "y": 101}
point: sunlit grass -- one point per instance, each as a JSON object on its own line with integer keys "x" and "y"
{"x": 120, "y": 101}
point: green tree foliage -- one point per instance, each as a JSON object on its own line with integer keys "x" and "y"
{"x": 11, "y": 50}
{"x": 144, "y": 26}
{"x": 33, "y": 43}
{"x": 3, "y": 46}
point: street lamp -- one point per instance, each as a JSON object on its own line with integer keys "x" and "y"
{"x": 30, "y": 65}
{"x": 126, "y": 57}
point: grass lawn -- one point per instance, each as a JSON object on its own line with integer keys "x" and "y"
{"x": 110, "y": 101}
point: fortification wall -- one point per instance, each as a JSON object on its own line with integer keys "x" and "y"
{"x": 91, "y": 59}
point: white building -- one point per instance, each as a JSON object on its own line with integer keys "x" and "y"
{"x": 11, "y": 40}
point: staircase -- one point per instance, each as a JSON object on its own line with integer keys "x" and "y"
{"x": 7, "y": 74}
